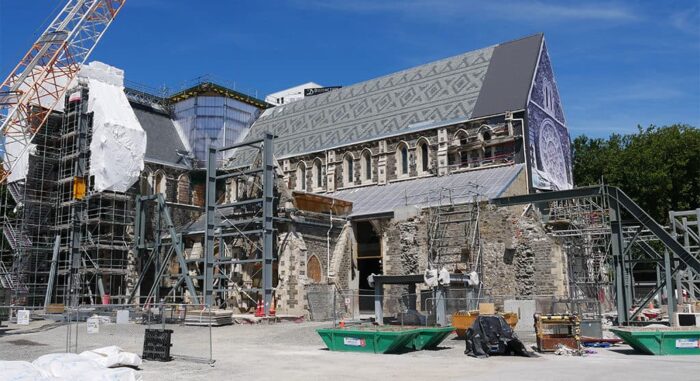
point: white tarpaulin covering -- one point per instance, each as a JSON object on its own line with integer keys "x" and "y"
{"x": 88, "y": 366}
{"x": 118, "y": 142}
{"x": 22, "y": 163}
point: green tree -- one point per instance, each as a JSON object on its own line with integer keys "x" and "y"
{"x": 659, "y": 167}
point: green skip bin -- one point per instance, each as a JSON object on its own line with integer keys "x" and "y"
{"x": 662, "y": 341}
{"x": 430, "y": 337}
{"x": 369, "y": 339}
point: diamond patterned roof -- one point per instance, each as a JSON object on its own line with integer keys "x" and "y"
{"x": 434, "y": 92}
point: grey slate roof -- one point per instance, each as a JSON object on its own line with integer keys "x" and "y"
{"x": 508, "y": 80}
{"x": 163, "y": 141}
{"x": 458, "y": 87}
{"x": 423, "y": 192}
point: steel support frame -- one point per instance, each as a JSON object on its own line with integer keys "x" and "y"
{"x": 217, "y": 230}
{"x": 176, "y": 246}
{"x": 618, "y": 202}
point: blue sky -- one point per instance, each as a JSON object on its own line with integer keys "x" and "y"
{"x": 618, "y": 64}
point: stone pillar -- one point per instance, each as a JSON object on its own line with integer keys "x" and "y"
{"x": 330, "y": 171}
{"x": 443, "y": 144}
{"x": 381, "y": 163}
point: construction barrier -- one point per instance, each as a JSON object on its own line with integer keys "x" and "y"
{"x": 95, "y": 326}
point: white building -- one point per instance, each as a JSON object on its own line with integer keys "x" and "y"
{"x": 290, "y": 95}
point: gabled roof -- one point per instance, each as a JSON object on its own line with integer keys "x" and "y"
{"x": 479, "y": 83}
{"x": 162, "y": 138}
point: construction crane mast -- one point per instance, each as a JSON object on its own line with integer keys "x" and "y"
{"x": 42, "y": 77}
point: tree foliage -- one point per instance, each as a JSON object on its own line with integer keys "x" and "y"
{"x": 659, "y": 167}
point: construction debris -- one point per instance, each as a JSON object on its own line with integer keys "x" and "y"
{"x": 215, "y": 318}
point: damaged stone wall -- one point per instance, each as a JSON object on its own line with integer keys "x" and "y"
{"x": 520, "y": 259}
{"x": 404, "y": 251}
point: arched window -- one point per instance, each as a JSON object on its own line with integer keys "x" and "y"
{"x": 423, "y": 156}
{"x": 161, "y": 184}
{"x": 313, "y": 269}
{"x": 349, "y": 170}
{"x": 461, "y": 138}
{"x": 402, "y": 159}
{"x": 301, "y": 176}
{"x": 366, "y": 166}
{"x": 183, "y": 189}
{"x": 548, "y": 95}
{"x": 318, "y": 174}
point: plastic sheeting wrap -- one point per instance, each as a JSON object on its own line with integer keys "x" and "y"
{"x": 118, "y": 141}
{"x": 22, "y": 164}
{"x": 113, "y": 356}
{"x": 72, "y": 367}
{"x": 22, "y": 371}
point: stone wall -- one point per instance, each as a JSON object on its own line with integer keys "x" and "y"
{"x": 520, "y": 259}
{"x": 292, "y": 274}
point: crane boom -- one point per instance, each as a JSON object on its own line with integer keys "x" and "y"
{"x": 41, "y": 78}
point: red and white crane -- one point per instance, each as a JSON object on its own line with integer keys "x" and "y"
{"x": 41, "y": 78}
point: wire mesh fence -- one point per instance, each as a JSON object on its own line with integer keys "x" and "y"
{"x": 426, "y": 308}
{"x": 95, "y": 326}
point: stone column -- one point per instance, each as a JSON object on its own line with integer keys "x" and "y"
{"x": 330, "y": 171}
{"x": 443, "y": 144}
{"x": 381, "y": 163}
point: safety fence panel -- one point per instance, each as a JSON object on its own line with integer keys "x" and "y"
{"x": 95, "y": 326}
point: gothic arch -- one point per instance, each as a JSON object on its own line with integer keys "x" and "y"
{"x": 423, "y": 156}
{"x": 314, "y": 272}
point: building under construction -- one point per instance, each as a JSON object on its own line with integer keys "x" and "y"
{"x": 209, "y": 195}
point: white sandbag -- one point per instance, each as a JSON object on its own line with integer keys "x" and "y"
{"x": 74, "y": 367}
{"x": 22, "y": 371}
{"x": 113, "y": 356}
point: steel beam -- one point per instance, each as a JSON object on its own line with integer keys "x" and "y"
{"x": 268, "y": 218}
{"x": 548, "y": 196}
{"x": 210, "y": 205}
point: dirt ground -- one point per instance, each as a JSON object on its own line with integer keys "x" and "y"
{"x": 293, "y": 351}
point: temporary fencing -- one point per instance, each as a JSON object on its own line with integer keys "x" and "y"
{"x": 95, "y": 326}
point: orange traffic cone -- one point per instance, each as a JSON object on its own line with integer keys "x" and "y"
{"x": 259, "y": 309}
{"x": 272, "y": 308}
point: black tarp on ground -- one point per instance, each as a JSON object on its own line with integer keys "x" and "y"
{"x": 491, "y": 335}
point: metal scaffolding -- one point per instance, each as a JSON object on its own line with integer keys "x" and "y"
{"x": 685, "y": 227}
{"x": 63, "y": 241}
{"x": 633, "y": 235}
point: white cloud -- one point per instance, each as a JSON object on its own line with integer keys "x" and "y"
{"x": 687, "y": 20}
{"x": 437, "y": 10}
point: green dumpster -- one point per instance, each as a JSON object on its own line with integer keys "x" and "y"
{"x": 662, "y": 341}
{"x": 430, "y": 337}
{"x": 369, "y": 339}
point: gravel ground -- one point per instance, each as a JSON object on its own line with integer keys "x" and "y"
{"x": 293, "y": 351}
